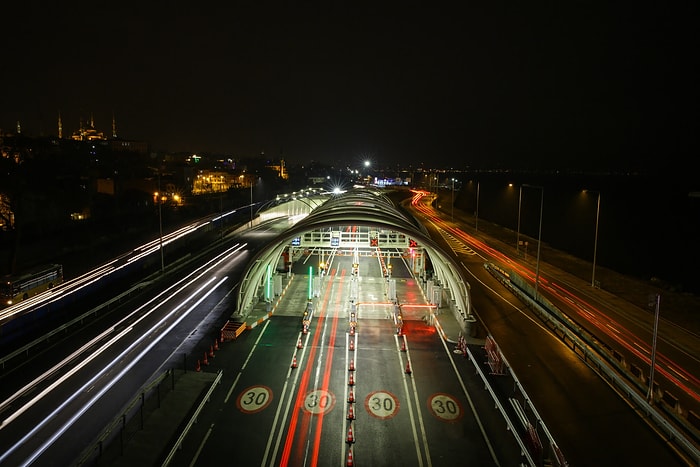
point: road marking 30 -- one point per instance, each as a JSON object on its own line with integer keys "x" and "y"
{"x": 319, "y": 401}
{"x": 445, "y": 407}
{"x": 382, "y": 404}
{"x": 254, "y": 399}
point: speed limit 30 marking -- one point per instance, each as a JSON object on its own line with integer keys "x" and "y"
{"x": 445, "y": 407}
{"x": 319, "y": 401}
{"x": 254, "y": 399}
{"x": 382, "y": 404}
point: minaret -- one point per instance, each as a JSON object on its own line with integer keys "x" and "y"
{"x": 92, "y": 121}
{"x": 19, "y": 128}
{"x": 60, "y": 126}
{"x": 114, "y": 126}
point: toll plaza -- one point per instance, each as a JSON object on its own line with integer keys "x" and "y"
{"x": 353, "y": 343}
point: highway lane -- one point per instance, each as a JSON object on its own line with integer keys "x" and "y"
{"x": 86, "y": 390}
{"x": 628, "y": 331}
{"x": 53, "y": 415}
{"x": 591, "y": 423}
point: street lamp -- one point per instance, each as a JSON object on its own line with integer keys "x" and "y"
{"x": 595, "y": 242}
{"x": 476, "y": 214}
{"x": 539, "y": 235}
{"x": 517, "y": 235}
{"x": 160, "y": 225}
{"x": 251, "y": 200}
{"x": 453, "y": 199}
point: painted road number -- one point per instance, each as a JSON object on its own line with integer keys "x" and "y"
{"x": 319, "y": 401}
{"x": 254, "y": 399}
{"x": 382, "y": 404}
{"x": 445, "y": 407}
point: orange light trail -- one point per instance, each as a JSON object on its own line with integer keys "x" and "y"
{"x": 601, "y": 321}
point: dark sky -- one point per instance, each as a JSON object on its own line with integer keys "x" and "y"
{"x": 564, "y": 85}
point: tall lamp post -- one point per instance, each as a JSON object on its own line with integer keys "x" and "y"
{"x": 476, "y": 214}
{"x": 517, "y": 235}
{"x": 539, "y": 235}
{"x": 251, "y": 200}
{"x": 595, "y": 241}
{"x": 453, "y": 199}
{"x": 160, "y": 225}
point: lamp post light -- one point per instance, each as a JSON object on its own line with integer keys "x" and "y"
{"x": 160, "y": 225}
{"x": 251, "y": 200}
{"x": 476, "y": 214}
{"x": 517, "y": 235}
{"x": 539, "y": 234}
{"x": 653, "y": 301}
{"x": 453, "y": 199}
{"x": 595, "y": 241}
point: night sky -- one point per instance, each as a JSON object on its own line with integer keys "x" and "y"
{"x": 573, "y": 84}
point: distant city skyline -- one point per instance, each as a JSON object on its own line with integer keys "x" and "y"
{"x": 521, "y": 86}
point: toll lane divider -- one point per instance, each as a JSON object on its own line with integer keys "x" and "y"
{"x": 272, "y": 310}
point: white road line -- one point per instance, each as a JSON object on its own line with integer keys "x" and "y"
{"x": 420, "y": 413}
{"x": 410, "y": 408}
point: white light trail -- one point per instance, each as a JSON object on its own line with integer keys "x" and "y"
{"x": 52, "y": 439}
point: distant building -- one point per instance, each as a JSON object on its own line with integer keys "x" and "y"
{"x": 280, "y": 169}
{"x": 85, "y": 133}
{"x": 117, "y": 145}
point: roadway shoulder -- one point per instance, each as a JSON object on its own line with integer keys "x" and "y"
{"x": 161, "y": 425}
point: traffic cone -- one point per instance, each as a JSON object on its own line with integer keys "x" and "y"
{"x": 351, "y": 395}
{"x": 221, "y": 336}
{"x": 351, "y": 413}
{"x": 352, "y": 344}
{"x": 294, "y": 362}
{"x": 408, "y": 368}
{"x": 403, "y": 346}
{"x": 205, "y": 361}
{"x": 351, "y": 438}
{"x": 197, "y": 367}
{"x": 351, "y": 367}
{"x": 211, "y": 351}
{"x": 352, "y": 330}
{"x": 351, "y": 379}
{"x": 216, "y": 344}
{"x": 305, "y": 329}
{"x": 299, "y": 346}
{"x": 349, "y": 462}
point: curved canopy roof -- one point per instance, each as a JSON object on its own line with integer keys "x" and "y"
{"x": 362, "y": 207}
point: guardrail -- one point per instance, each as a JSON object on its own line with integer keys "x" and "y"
{"x": 587, "y": 347}
{"x": 192, "y": 419}
{"x": 79, "y": 319}
{"x": 119, "y": 424}
{"x": 525, "y": 450}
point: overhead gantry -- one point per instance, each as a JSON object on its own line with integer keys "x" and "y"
{"x": 382, "y": 225}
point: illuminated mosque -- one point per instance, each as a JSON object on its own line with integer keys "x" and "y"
{"x": 87, "y": 132}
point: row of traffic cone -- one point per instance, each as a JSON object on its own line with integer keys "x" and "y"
{"x": 403, "y": 349}
{"x": 350, "y": 438}
{"x": 210, "y": 354}
{"x": 299, "y": 346}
